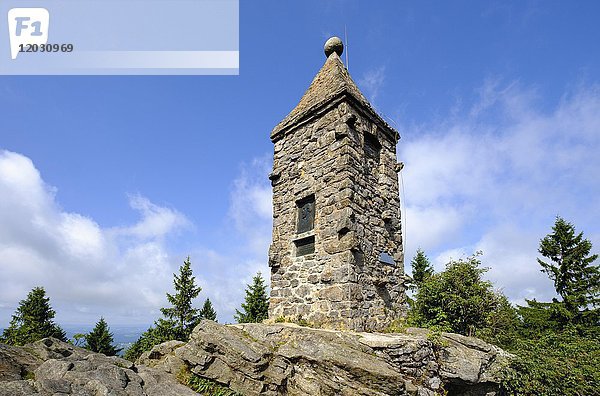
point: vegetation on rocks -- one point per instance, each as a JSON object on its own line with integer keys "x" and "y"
{"x": 556, "y": 344}
{"x": 203, "y": 386}
{"x": 149, "y": 338}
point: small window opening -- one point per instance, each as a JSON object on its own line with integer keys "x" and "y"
{"x": 372, "y": 147}
{"x": 306, "y": 214}
{"x": 305, "y": 246}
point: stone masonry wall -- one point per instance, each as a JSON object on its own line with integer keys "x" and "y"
{"x": 346, "y": 161}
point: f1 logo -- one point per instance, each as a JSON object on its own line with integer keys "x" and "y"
{"x": 27, "y": 26}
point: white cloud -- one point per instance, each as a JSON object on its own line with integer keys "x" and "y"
{"x": 495, "y": 176}
{"x": 428, "y": 226}
{"x": 87, "y": 270}
{"x": 510, "y": 254}
{"x": 156, "y": 221}
{"x": 441, "y": 259}
{"x": 251, "y": 204}
{"x": 372, "y": 83}
{"x": 122, "y": 272}
{"x": 81, "y": 237}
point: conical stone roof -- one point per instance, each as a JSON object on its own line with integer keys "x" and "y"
{"x": 331, "y": 82}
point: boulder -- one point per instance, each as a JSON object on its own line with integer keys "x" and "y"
{"x": 264, "y": 359}
{"x": 54, "y": 368}
{"x": 286, "y": 359}
{"x": 16, "y": 363}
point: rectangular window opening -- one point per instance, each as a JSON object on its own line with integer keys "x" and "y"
{"x": 306, "y": 214}
{"x": 372, "y": 148}
{"x": 305, "y": 246}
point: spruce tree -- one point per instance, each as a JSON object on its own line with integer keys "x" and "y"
{"x": 33, "y": 320}
{"x": 571, "y": 268}
{"x": 100, "y": 339}
{"x": 180, "y": 319}
{"x": 208, "y": 311}
{"x": 182, "y": 316}
{"x": 256, "y": 305}
{"x": 421, "y": 268}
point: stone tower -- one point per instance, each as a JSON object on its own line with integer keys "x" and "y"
{"x": 336, "y": 258}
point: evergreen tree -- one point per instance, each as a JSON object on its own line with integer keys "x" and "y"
{"x": 78, "y": 339}
{"x": 151, "y": 337}
{"x": 538, "y": 317}
{"x": 208, "y": 311}
{"x": 571, "y": 268}
{"x": 100, "y": 339}
{"x": 182, "y": 316}
{"x": 33, "y": 320}
{"x": 421, "y": 268}
{"x": 180, "y": 319}
{"x": 457, "y": 299}
{"x": 256, "y": 305}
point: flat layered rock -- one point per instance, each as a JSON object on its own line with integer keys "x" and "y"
{"x": 51, "y": 368}
{"x": 264, "y": 359}
{"x": 286, "y": 359}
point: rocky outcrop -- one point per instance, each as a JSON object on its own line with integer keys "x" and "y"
{"x": 286, "y": 359}
{"x": 261, "y": 359}
{"x": 54, "y": 368}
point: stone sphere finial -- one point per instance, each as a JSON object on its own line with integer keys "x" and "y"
{"x": 334, "y": 44}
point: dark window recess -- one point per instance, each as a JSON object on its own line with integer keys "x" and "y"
{"x": 387, "y": 223}
{"x": 305, "y": 246}
{"x": 372, "y": 147}
{"x": 306, "y": 214}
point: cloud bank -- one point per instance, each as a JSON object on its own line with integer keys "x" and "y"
{"x": 493, "y": 177}
{"x": 87, "y": 270}
{"x": 122, "y": 272}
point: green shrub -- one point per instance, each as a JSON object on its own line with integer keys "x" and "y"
{"x": 151, "y": 337}
{"x": 397, "y": 326}
{"x": 203, "y": 386}
{"x": 555, "y": 364}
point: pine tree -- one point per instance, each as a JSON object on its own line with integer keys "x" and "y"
{"x": 100, "y": 339}
{"x": 33, "y": 320}
{"x": 182, "y": 316}
{"x": 421, "y": 268}
{"x": 256, "y": 305}
{"x": 208, "y": 311}
{"x": 571, "y": 268}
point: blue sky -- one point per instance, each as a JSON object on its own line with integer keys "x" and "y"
{"x": 108, "y": 183}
